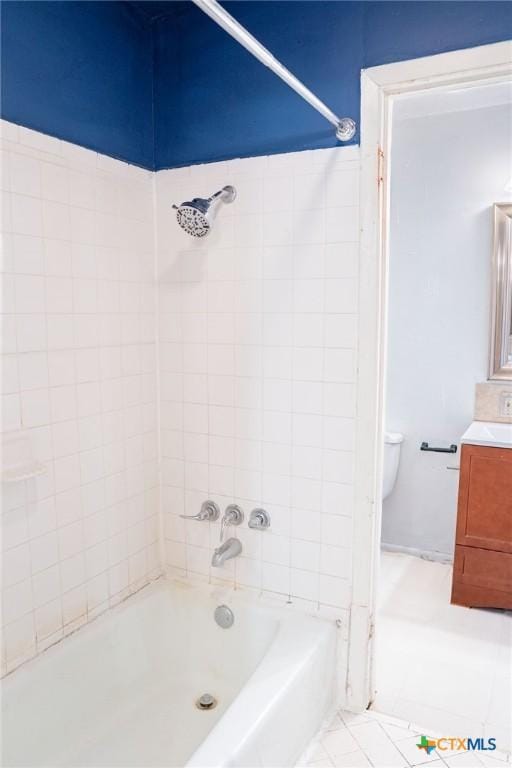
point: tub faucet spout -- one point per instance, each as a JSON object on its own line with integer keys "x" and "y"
{"x": 231, "y": 548}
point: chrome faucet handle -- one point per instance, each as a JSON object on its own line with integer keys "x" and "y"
{"x": 209, "y": 511}
{"x": 259, "y": 519}
{"x": 233, "y": 515}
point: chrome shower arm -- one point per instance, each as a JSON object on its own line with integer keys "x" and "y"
{"x": 227, "y": 194}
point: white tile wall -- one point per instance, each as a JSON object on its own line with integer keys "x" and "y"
{"x": 255, "y": 332}
{"x": 80, "y": 381}
{"x": 258, "y": 334}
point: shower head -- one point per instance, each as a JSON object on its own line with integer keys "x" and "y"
{"x": 196, "y": 216}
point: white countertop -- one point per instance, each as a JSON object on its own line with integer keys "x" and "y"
{"x": 489, "y": 433}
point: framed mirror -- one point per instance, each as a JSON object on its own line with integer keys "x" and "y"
{"x": 501, "y": 306}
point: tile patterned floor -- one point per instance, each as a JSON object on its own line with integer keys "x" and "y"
{"x": 437, "y": 664}
{"x": 445, "y": 668}
{"x": 373, "y": 740}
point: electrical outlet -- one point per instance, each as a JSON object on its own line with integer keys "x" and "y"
{"x": 506, "y": 404}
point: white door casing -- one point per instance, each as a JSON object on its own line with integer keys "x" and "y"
{"x": 379, "y": 87}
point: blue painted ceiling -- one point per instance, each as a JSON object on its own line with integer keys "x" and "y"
{"x": 159, "y": 84}
{"x": 214, "y": 101}
{"x": 155, "y": 10}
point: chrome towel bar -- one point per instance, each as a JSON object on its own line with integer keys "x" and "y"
{"x": 426, "y": 447}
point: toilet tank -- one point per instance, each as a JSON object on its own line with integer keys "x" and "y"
{"x": 392, "y": 443}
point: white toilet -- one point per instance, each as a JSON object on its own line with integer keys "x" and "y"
{"x": 392, "y": 442}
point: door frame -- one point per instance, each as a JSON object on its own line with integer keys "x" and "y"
{"x": 379, "y": 87}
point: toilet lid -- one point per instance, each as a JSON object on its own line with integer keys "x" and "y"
{"x": 393, "y": 437}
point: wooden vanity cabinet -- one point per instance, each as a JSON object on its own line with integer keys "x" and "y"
{"x": 482, "y": 570}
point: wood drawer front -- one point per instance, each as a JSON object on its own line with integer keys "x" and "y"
{"x": 483, "y": 568}
{"x": 484, "y": 516}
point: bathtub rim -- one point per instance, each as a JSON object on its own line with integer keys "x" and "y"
{"x": 245, "y": 709}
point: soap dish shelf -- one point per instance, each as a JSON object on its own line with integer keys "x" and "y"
{"x": 20, "y": 472}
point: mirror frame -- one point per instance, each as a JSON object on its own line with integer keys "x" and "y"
{"x": 500, "y": 364}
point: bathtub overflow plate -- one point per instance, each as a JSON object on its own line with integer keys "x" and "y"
{"x": 224, "y": 616}
{"x": 206, "y": 701}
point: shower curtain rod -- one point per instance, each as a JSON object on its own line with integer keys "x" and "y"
{"x": 345, "y": 126}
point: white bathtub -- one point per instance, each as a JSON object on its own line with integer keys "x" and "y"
{"x": 122, "y": 690}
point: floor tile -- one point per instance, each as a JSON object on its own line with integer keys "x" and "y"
{"x": 463, "y": 689}
{"x": 317, "y": 753}
{"x": 502, "y": 734}
{"x": 418, "y": 631}
{"x": 435, "y": 721}
{"x": 372, "y": 734}
{"x": 384, "y": 717}
{"x": 352, "y": 760}
{"x": 385, "y": 756}
{"x": 352, "y": 718}
{"x": 339, "y": 742}
{"x": 336, "y": 723}
{"x": 441, "y": 670}
{"x": 414, "y": 756}
{"x": 369, "y": 733}
{"x": 464, "y": 760}
{"x": 377, "y": 746}
{"x": 500, "y": 705}
{"x": 395, "y": 732}
{"x": 494, "y": 759}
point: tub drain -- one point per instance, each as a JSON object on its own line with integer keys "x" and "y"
{"x": 206, "y": 701}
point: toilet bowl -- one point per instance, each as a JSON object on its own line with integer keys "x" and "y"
{"x": 392, "y": 442}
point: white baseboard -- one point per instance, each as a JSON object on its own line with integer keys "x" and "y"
{"x": 437, "y": 557}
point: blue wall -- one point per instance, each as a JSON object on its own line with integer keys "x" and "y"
{"x": 80, "y": 71}
{"x": 214, "y": 101}
{"x": 160, "y": 85}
